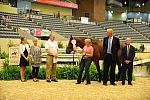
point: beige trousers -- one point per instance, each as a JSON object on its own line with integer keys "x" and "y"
{"x": 50, "y": 68}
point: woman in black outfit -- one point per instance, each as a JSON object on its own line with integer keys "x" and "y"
{"x": 24, "y": 51}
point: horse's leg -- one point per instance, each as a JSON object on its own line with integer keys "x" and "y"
{"x": 98, "y": 70}
{"x": 119, "y": 71}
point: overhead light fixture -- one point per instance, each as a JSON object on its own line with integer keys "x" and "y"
{"x": 143, "y": 4}
{"x": 125, "y": 2}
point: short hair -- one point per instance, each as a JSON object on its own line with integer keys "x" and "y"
{"x": 34, "y": 39}
{"x": 108, "y": 30}
{"x": 129, "y": 38}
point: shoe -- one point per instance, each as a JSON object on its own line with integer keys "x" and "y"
{"x": 87, "y": 83}
{"x": 78, "y": 83}
{"x": 23, "y": 80}
{"x": 105, "y": 84}
{"x": 99, "y": 80}
{"x": 48, "y": 81}
{"x": 36, "y": 80}
{"x": 123, "y": 83}
{"x": 113, "y": 84}
{"x": 82, "y": 80}
{"x": 130, "y": 84}
{"x": 55, "y": 80}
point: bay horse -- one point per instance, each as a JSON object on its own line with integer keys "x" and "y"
{"x": 98, "y": 53}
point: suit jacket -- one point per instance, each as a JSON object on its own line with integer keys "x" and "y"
{"x": 114, "y": 48}
{"x": 130, "y": 56}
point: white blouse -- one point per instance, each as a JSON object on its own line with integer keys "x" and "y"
{"x": 22, "y": 48}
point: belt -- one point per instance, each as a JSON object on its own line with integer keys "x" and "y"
{"x": 49, "y": 55}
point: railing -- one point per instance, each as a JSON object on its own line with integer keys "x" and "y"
{"x": 64, "y": 58}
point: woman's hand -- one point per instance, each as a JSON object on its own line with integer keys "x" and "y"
{"x": 41, "y": 60}
{"x": 83, "y": 53}
{"x": 32, "y": 61}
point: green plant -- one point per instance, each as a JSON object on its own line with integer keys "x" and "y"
{"x": 42, "y": 45}
{"x": 60, "y": 45}
{"x": 3, "y": 55}
{"x": 68, "y": 72}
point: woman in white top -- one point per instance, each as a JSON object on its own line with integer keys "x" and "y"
{"x": 24, "y": 50}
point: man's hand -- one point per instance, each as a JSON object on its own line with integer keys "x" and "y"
{"x": 127, "y": 61}
{"x": 55, "y": 54}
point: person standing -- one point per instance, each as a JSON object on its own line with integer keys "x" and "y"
{"x": 111, "y": 46}
{"x": 86, "y": 61}
{"x": 36, "y": 56}
{"x": 128, "y": 54}
{"x": 24, "y": 51}
{"x": 51, "y": 59}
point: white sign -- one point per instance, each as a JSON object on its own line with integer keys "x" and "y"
{"x": 84, "y": 20}
{"x": 45, "y": 32}
{"x": 14, "y": 56}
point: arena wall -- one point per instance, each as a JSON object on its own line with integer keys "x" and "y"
{"x": 7, "y": 8}
{"x": 50, "y": 9}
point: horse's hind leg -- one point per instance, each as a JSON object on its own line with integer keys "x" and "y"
{"x": 98, "y": 70}
{"x": 118, "y": 78}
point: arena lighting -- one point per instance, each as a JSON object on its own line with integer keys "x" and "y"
{"x": 111, "y": 12}
{"x": 139, "y": 6}
{"x": 125, "y": 2}
{"x": 143, "y": 4}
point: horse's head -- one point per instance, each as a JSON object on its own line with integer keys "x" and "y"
{"x": 69, "y": 48}
{"x": 73, "y": 43}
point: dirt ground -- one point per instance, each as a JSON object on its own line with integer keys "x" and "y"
{"x": 68, "y": 90}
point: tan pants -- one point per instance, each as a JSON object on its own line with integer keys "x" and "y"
{"x": 50, "y": 68}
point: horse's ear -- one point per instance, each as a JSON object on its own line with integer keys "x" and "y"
{"x": 71, "y": 38}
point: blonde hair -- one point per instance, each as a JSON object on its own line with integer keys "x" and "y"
{"x": 88, "y": 40}
{"x": 110, "y": 30}
{"x": 51, "y": 34}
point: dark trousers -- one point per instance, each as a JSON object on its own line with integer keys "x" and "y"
{"x": 126, "y": 67}
{"x": 109, "y": 62}
{"x": 35, "y": 71}
{"x": 85, "y": 63}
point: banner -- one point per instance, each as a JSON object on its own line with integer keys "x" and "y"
{"x": 58, "y": 3}
{"x": 37, "y": 32}
{"x": 14, "y": 56}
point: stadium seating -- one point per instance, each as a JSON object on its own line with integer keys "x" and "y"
{"x": 7, "y": 33}
{"x": 123, "y": 31}
{"x": 142, "y": 28}
{"x": 138, "y": 32}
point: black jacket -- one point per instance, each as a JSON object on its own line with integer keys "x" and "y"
{"x": 131, "y": 54}
{"x": 114, "y": 49}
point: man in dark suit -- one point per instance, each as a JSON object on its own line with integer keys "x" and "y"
{"x": 111, "y": 46}
{"x": 128, "y": 54}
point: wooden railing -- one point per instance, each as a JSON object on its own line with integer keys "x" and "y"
{"x": 63, "y": 57}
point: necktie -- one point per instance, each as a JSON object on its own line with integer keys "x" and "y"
{"x": 109, "y": 46}
{"x": 128, "y": 49}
